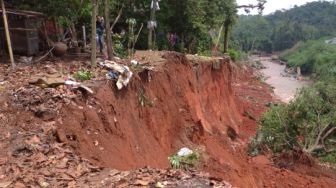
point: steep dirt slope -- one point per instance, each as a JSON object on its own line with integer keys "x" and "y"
{"x": 192, "y": 102}
{"x": 181, "y": 103}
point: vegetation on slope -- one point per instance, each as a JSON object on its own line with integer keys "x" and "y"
{"x": 314, "y": 57}
{"x": 307, "y": 123}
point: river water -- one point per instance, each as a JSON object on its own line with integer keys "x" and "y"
{"x": 285, "y": 87}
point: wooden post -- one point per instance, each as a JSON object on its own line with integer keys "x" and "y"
{"x": 94, "y": 33}
{"x": 84, "y": 36}
{"x": 9, "y": 42}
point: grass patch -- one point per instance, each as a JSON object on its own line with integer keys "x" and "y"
{"x": 83, "y": 75}
{"x": 184, "y": 162}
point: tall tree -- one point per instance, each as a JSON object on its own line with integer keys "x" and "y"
{"x": 94, "y": 33}
{"x": 108, "y": 31}
{"x": 230, "y": 18}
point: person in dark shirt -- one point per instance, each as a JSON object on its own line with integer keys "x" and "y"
{"x": 100, "y": 32}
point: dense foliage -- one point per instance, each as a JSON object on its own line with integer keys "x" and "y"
{"x": 191, "y": 21}
{"x": 313, "y": 57}
{"x": 283, "y": 29}
{"x": 308, "y": 123}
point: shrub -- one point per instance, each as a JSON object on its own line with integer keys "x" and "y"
{"x": 118, "y": 46}
{"x": 184, "y": 162}
{"x": 308, "y": 123}
{"x": 237, "y": 55}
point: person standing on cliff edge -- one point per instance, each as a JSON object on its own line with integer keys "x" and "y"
{"x": 100, "y": 32}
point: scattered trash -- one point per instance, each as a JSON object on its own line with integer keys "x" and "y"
{"x": 134, "y": 62}
{"x": 184, "y": 152}
{"x": 78, "y": 85}
{"x": 96, "y": 143}
{"x": 112, "y": 75}
{"x": 24, "y": 59}
{"x": 122, "y": 72}
{"x": 159, "y": 185}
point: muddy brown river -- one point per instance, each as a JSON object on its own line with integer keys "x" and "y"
{"x": 285, "y": 87}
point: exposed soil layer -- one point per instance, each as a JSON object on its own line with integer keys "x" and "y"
{"x": 209, "y": 103}
{"x": 156, "y": 115}
{"x": 193, "y": 102}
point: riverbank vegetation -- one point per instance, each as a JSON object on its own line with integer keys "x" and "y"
{"x": 308, "y": 123}
{"x": 316, "y": 58}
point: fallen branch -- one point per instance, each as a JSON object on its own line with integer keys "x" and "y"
{"x": 137, "y": 36}
{"x": 44, "y": 56}
{"x": 328, "y": 133}
{"x": 117, "y": 18}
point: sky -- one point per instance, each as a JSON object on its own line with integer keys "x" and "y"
{"x": 273, "y": 5}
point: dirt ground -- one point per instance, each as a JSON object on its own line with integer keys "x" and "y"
{"x": 64, "y": 137}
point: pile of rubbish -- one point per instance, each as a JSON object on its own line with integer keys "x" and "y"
{"x": 118, "y": 72}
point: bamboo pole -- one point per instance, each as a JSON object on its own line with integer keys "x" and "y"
{"x": 9, "y": 43}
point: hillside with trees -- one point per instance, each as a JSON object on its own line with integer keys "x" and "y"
{"x": 284, "y": 28}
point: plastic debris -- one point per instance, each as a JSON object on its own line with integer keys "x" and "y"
{"x": 184, "y": 152}
{"x": 24, "y": 59}
{"x": 78, "y": 85}
{"x": 112, "y": 75}
{"x": 134, "y": 62}
{"x": 121, "y": 72}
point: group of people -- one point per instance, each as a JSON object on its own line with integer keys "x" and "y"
{"x": 172, "y": 38}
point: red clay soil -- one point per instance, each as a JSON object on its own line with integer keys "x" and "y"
{"x": 186, "y": 104}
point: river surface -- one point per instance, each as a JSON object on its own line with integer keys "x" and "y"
{"x": 285, "y": 87}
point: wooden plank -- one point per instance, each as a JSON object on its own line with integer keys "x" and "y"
{"x": 19, "y": 29}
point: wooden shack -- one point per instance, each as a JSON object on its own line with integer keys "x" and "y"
{"x": 24, "y": 27}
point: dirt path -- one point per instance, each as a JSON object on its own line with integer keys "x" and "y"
{"x": 285, "y": 87}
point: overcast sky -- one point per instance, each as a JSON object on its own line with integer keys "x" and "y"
{"x": 273, "y": 5}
